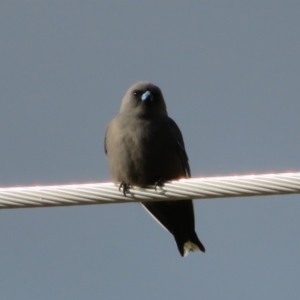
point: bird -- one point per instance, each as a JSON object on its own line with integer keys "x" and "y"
{"x": 144, "y": 146}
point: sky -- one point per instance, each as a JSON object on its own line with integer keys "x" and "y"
{"x": 229, "y": 72}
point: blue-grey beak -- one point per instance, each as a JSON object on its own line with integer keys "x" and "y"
{"x": 146, "y": 96}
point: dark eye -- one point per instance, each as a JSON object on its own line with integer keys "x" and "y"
{"x": 136, "y": 94}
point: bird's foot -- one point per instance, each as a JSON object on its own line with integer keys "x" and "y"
{"x": 124, "y": 187}
{"x": 159, "y": 183}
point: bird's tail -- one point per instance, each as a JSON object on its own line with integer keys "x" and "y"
{"x": 192, "y": 244}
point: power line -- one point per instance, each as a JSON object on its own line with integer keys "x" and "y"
{"x": 192, "y": 188}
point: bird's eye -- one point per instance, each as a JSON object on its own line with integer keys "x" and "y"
{"x": 136, "y": 94}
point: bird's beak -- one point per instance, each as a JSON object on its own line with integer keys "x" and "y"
{"x": 146, "y": 97}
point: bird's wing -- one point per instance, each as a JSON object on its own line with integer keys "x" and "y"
{"x": 105, "y": 148}
{"x": 180, "y": 146}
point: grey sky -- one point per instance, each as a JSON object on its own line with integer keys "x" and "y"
{"x": 230, "y": 73}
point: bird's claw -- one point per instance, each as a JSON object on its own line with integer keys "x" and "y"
{"x": 124, "y": 187}
{"x": 159, "y": 183}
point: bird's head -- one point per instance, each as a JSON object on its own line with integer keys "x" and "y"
{"x": 144, "y": 98}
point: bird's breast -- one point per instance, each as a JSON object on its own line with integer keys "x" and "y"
{"x": 145, "y": 152}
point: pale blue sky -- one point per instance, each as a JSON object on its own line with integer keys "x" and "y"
{"x": 230, "y": 73}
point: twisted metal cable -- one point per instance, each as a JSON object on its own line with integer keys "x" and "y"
{"x": 192, "y": 188}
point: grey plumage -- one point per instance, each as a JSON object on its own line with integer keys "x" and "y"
{"x": 145, "y": 147}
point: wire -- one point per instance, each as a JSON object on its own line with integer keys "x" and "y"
{"x": 192, "y": 188}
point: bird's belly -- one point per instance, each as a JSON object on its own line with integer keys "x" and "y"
{"x": 145, "y": 160}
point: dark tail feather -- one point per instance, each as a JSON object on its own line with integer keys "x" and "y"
{"x": 191, "y": 244}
